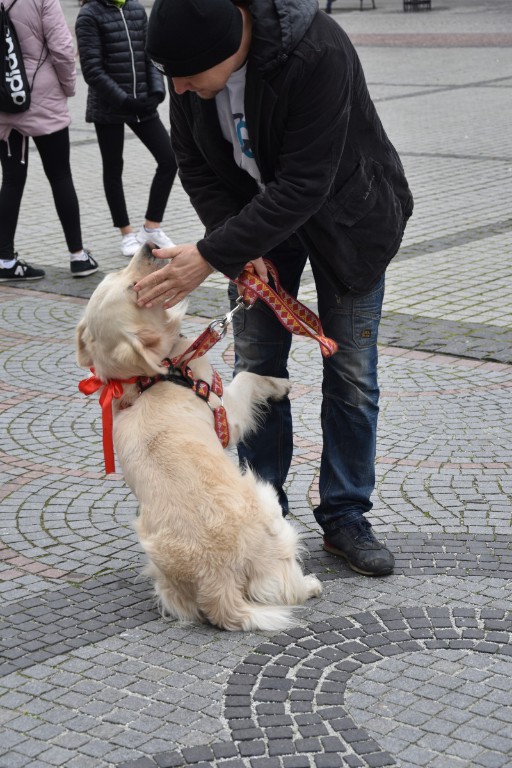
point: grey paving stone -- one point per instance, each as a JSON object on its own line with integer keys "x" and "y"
{"x": 142, "y": 762}
{"x": 55, "y": 756}
{"x": 15, "y": 760}
{"x": 169, "y": 760}
{"x": 295, "y": 761}
{"x": 328, "y": 761}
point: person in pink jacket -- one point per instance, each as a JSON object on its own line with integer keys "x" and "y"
{"x": 49, "y": 59}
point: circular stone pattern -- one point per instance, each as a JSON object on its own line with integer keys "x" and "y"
{"x": 327, "y": 691}
{"x": 432, "y": 709}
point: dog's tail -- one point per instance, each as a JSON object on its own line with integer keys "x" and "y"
{"x": 223, "y": 603}
{"x": 268, "y": 618}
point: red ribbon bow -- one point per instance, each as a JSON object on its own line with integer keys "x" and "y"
{"x": 111, "y": 390}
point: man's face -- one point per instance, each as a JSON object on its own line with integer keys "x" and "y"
{"x": 209, "y": 83}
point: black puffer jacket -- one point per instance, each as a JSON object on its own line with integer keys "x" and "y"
{"x": 111, "y": 43}
{"x": 331, "y": 173}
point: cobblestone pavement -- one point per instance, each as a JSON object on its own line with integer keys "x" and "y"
{"x": 409, "y": 671}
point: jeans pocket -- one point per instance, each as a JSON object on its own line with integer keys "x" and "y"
{"x": 366, "y": 314}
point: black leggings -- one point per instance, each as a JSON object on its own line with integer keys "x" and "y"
{"x": 153, "y": 135}
{"x": 54, "y": 152}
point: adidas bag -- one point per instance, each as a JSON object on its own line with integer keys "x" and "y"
{"x": 14, "y": 85}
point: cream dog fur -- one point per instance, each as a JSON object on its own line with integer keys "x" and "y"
{"x": 219, "y": 549}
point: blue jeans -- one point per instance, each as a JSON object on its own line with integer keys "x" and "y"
{"x": 350, "y": 391}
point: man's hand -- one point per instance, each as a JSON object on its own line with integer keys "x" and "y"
{"x": 255, "y": 266}
{"x": 259, "y": 268}
{"x": 169, "y": 285}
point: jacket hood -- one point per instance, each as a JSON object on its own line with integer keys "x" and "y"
{"x": 278, "y": 27}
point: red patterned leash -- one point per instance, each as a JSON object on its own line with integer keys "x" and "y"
{"x": 291, "y": 313}
{"x": 209, "y": 337}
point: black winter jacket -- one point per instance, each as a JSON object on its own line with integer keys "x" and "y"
{"x": 111, "y": 44}
{"x": 331, "y": 174}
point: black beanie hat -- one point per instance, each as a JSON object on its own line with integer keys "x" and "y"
{"x": 190, "y": 36}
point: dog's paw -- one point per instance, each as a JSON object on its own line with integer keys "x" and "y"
{"x": 314, "y": 585}
{"x": 277, "y": 388}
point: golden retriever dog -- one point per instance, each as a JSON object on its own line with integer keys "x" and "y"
{"x": 219, "y": 549}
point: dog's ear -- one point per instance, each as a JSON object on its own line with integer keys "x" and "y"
{"x": 83, "y": 356}
{"x": 151, "y": 348}
{"x": 140, "y": 352}
{"x": 176, "y": 314}
{"x": 148, "y": 337}
{"x": 173, "y": 318}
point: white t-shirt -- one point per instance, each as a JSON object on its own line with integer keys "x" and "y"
{"x": 231, "y": 112}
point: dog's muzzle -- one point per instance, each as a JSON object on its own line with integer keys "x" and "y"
{"x": 147, "y": 261}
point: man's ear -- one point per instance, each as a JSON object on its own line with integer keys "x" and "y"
{"x": 83, "y": 355}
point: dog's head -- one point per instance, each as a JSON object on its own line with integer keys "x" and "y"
{"x": 120, "y": 339}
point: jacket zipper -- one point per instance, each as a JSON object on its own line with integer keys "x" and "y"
{"x": 132, "y": 58}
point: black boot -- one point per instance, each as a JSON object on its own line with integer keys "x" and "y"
{"x": 356, "y": 544}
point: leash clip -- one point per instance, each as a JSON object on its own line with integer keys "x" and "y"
{"x": 222, "y": 325}
{"x": 239, "y": 304}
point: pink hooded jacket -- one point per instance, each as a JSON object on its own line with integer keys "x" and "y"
{"x": 45, "y": 38}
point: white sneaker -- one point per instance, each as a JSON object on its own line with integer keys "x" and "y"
{"x": 156, "y": 236}
{"x": 129, "y": 244}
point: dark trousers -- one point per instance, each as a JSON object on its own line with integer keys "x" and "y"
{"x": 350, "y": 391}
{"x": 156, "y": 139}
{"x": 54, "y": 152}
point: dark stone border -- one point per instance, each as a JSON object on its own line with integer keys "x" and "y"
{"x": 471, "y": 340}
{"x": 454, "y": 239}
{"x": 281, "y": 698}
{"x": 205, "y": 301}
{"x": 447, "y": 337}
{"x": 39, "y": 628}
{"x": 428, "y": 554}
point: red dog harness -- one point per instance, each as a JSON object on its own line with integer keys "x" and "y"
{"x": 184, "y": 376}
{"x": 178, "y": 374}
{"x": 291, "y": 313}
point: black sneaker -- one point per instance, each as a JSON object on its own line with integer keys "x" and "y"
{"x": 83, "y": 267}
{"x": 20, "y": 271}
{"x": 356, "y": 544}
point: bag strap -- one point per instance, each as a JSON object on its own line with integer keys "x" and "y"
{"x": 41, "y": 60}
